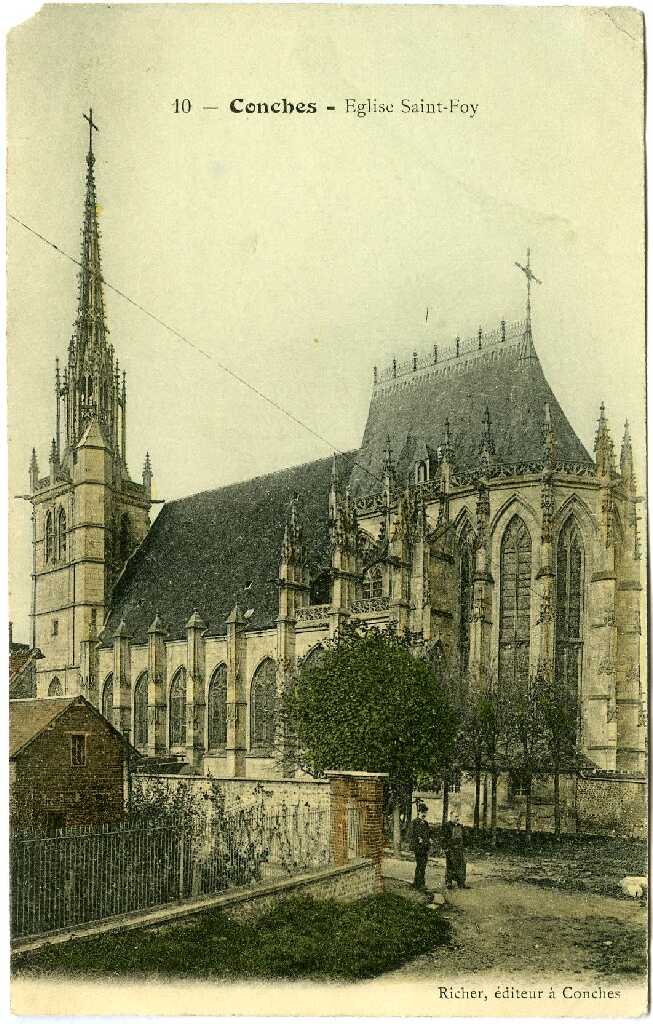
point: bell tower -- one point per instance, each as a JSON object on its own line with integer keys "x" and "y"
{"x": 88, "y": 516}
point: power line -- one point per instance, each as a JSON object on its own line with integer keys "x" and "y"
{"x": 191, "y": 344}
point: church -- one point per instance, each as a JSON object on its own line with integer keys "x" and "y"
{"x": 471, "y": 517}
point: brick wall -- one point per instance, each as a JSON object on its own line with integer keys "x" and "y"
{"x": 46, "y": 786}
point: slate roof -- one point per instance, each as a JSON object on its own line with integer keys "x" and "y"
{"x": 513, "y": 387}
{"x": 28, "y": 718}
{"x": 202, "y": 552}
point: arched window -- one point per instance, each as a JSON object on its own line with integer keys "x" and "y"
{"x": 373, "y": 583}
{"x": 140, "y": 712}
{"x": 49, "y": 537}
{"x": 177, "y": 710}
{"x": 124, "y": 539}
{"x": 321, "y": 588}
{"x": 515, "y": 606}
{"x": 61, "y": 535}
{"x": 313, "y": 656}
{"x": 569, "y": 608}
{"x": 261, "y": 707}
{"x": 466, "y": 595}
{"x": 217, "y": 709}
{"x": 55, "y": 689}
{"x": 107, "y": 698}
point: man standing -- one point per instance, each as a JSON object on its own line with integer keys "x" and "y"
{"x": 420, "y": 841}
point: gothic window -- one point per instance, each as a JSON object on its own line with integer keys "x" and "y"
{"x": 140, "y": 712}
{"x": 49, "y": 537}
{"x": 515, "y": 606}
{"x": 569, "y": 607}
{"x": 107, "y": 698}
{"x": 217, "y": 709}
{"x": 124, "y": 540}
{"x": 55, "y": 689}
{"x": 466, "y": 597}
{"x": 177, "y": 710}
{"x": 373, "y": 583}
{"x": 313, "y": 656}
{"x": 321, "y": 589}
{"x": 261, "y": 707}
{"x": 61, "y": 535}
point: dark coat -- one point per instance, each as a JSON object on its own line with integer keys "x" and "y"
{"x": 420, "y": 837}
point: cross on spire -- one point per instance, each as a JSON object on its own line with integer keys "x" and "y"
{"x": 530, "y": 276}
{"x": 91, "y": 125}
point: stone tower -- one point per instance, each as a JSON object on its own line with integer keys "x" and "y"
{"x": 87, "y": 515}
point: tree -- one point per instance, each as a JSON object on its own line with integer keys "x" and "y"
{"x": 559, "y": 717}
{"x": 527, "y": 749}
{"x": 370, "y": 703}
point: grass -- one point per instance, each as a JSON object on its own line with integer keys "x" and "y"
{"x": 575, "y": 863}
{"x": 298, "y": 938}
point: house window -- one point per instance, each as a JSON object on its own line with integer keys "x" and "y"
{"x": 55, "y": 688}
{"x": 55, "y": 627}
{"x": 517, "y": 787}
{"x": 217, "y": 709}
{"x": 78, "y": 751}
{"x": 140, "y": 712}
{"x": 373, "y": 583}
{"x": 569, "y": 609}
{"x": 261, "y": 709}
{"x": 515, "y": 606}
{"x": 177, "y": 710}
{"x": 49, "y": 538}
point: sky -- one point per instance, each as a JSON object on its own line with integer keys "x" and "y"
{"x": 300, "y": 250}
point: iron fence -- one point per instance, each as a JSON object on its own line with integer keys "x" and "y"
{"x": 83, "y": 875}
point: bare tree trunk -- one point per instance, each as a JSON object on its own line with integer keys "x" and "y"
{"x": 529, "y": 811}
{"x": 484, "y": 801}
{"x": 556, "y": 799}
{"x": 445, "y": 803}
{"x": 493, "y": 810}
{"x": 477, "y": 798}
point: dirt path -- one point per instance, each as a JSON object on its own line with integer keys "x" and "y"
{"x": 513, "y": 928}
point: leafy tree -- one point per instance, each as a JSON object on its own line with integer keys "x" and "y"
{"x": 527, "y": 755}
{"x": 559, "y": 712}
{"x": 370, "y": 703}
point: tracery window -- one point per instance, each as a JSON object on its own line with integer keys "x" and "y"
{"x": 49, "y": 537}
{"x": 140, "y": 712}
{"x": 466, "y": 597}
{"x": 261, "y": 707}
{"x": 217, "y": 709}
{"x": 61, "y": 535}
{"x": 515, "y": 606}
{"x": 569, "y": 608}
{"x": 107, "y": 698}
{"x": 124, "y": 539}
{"x": 55, "y": 689}
{"x": 373, "y": 583}
{"x": 177, "y": 710}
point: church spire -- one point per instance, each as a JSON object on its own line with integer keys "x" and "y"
{"x": 90, "y": 385}
{"x": 90, "y": 328}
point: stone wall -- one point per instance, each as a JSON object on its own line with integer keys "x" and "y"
{"x": 243, "y": 793}
{"x": 345, "y": 883}
{"x": 612, "y": 806}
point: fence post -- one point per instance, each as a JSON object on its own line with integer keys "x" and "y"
{"x": 362, "y": 791}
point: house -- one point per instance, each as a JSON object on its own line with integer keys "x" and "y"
{"x": 68, "y": 764}
{"x": 22, "y": 667}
